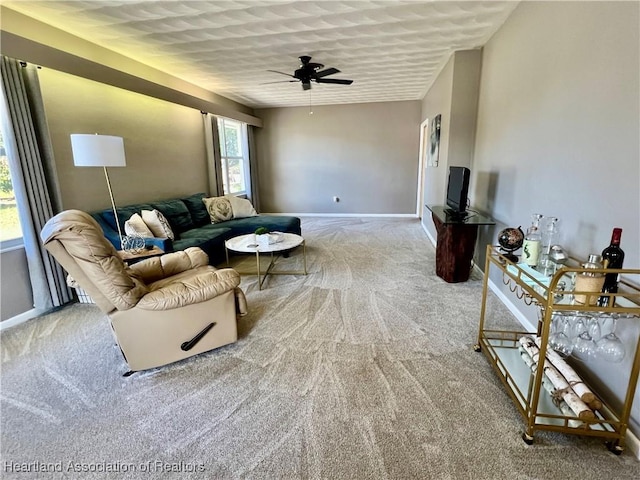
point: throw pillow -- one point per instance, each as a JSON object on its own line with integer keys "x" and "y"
{"x": 219, "y": 209}
{"x": 158, "y": 224}
{"x": 241, "y": 207}
{"x": 196, "y": 207}
{"x": 136, "y": 227}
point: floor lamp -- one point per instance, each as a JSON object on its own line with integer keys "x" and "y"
{"x": 100, "y": 151}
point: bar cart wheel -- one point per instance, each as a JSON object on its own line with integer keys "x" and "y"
{"x": 528, "y": 439}
{"x": 477, "y": 348}
{"x": 614, "y": 447}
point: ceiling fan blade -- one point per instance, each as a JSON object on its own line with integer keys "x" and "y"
{"x": 311, "y": 72}
{"x": 328, "y": 71}
{"x": 281, "y": 73}
{"x": 334, "y": 80}
{"x": 279, "y": 81}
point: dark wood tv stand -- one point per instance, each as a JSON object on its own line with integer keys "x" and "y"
{"x": 456, "y": 242}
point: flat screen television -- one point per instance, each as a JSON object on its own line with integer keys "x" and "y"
{"x": 457, "y": 190}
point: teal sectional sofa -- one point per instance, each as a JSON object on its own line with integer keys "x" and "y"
{"x": 192, "y": 227}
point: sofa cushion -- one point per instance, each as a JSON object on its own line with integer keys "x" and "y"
{"x": 124, "y": 214}
{"x": 207, "y": 231}
{"x": 219, "y": 209}
{"x": 197, "y": 209}
{"x": 136, "y": 227}
{"x": 157, "y": 223}
{"x": 209, "y": 238}
{"x": 241, "y": 207}
{"x": 177, "y": 213}
{"x": 241, "y": 226}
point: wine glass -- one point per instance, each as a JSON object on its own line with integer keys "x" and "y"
{"x": 561, "y": 341}
{"x": 579, "y": 327}
{"x": 593, "y": 327}
{"x": 610, "y": 348}
{"x": 555, "y": 329}
{"x": 584, "y": 347}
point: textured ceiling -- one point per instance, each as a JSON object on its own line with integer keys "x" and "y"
{"x": 392, "y": 50}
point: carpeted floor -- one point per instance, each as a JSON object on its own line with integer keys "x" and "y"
{"x": 361, "y": 370}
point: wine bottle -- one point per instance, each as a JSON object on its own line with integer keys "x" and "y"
{"x": 612, "y": 257}
{"x": 532, "y": 242}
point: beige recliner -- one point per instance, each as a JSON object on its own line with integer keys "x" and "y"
{"x": 162, "y": 309}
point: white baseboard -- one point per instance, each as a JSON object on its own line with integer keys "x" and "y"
{"x": 18, "y": 319}
{"x": 633, "y": 444}
{"x": 433, "y": 240}
{"x": 354, "y": 215}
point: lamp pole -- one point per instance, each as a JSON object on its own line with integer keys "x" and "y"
{"x": 113, "y": 205}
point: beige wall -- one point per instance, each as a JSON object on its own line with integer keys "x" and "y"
{"x": 164, "y": 142}
{"x": 15, "y": 294}
{"x": 559, "y": 134}
{"x": 365, "y": 154}
{"x": 438, "y": 101}
{"x": 454, "y": 95}
{"x": 559, "y": 121}
{"x": 464, "y": 108}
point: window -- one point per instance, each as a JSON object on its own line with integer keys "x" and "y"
{"x": 10, "y": 230}
{"x": 234, "y": 156}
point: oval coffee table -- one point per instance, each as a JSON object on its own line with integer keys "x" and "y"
{"x": 245, "y": 244}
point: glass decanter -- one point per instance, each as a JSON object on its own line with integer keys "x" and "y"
{"x": 550, "y": 233}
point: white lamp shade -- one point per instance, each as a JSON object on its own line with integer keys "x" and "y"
{"x": 97, "y": 150}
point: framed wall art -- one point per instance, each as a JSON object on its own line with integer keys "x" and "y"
{"x": 434, "y": 141}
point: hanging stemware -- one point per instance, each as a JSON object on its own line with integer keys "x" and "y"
{"x": 555, "y": 330}
{"x": 593, "y": 327}
{"x": 610, "y": 348}
{"x": 584, "y": 347}
{"x": 562, "y": 342}
{"x": 579, "y": 326}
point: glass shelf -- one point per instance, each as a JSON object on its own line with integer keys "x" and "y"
{"x": 556, "y": 290}
{"x": 520, "y": 379}
{"x": 470, "y": 218}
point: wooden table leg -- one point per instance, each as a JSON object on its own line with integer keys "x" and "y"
{"x": 454, "y": 251}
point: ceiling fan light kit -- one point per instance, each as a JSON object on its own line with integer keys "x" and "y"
{"x": 312, "y": 72}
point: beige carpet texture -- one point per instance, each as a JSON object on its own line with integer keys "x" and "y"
{"x": 363, "y": 369}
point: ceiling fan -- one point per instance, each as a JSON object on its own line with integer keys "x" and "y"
{"x": 310, "y": 71}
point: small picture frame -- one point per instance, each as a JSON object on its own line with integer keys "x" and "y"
{"x": 434, "y": 141}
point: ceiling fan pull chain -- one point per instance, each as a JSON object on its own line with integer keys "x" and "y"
{"x": 310, "y": 111}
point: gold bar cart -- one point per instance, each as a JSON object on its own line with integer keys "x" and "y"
{"x": 553, "y": 294}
